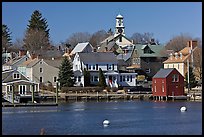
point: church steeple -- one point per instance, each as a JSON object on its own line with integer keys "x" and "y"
{"x": 119, "y": 28}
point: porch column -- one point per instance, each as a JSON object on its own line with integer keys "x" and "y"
{"x": 32, "y": 88}
{"x": 13, "y": 93}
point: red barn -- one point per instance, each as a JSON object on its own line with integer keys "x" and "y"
{"x": 167, "y": 82}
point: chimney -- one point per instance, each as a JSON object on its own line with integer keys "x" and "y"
{"x": 22, "y": 53}
{"x": 176, "y": 55}
{"x": 181, "y": 55}
{"x": 171, "y": 56}
{"x": 106, "y": 48}
{"x": 94, "y": 50}
{"x": 192, "y": 44}
{"x": 33, "y": 56}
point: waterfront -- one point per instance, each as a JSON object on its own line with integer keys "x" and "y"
{"x": 133, "y": 117}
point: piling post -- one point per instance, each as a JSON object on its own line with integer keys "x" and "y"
{"x": 76, "y": 95}
{"x": 13, "y": 93}
{"x": 97, "y": 95}
{"x": 56, "y": 92}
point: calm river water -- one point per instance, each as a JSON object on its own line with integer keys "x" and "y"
{"x": 85, "y": 118}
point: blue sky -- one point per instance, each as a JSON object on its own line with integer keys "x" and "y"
{"x": 164, "y": 19}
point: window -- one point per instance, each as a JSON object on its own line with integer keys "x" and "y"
{"x": 121, "y": 78}
{"x": 41, "y": 79}
{"x": 41, "y": 62}
{"x": 75, "y": 79}
{"x": 120, "y": 39}
{"x": 178, "y": 66}
{"x": 128, "y": 78}
{"x": 175, "y": 78}
{"x": 96, "y": 78}
{"x": 155, "y": 88}
{"x": 55, "y": 79}
{"x": 113, "y": 67}
{"x": 96, "y": 66}
{"x": 147, "y": 50}
{"x": 77, "y": 58}
{"x": 108, "y": 67}
{"x": 155, "y": 81}
{"x": 148, "y": 70}
{"x": 89, "y": 67}
{"x": 22, "y": 89}
{"x": 79, "y": 78}
{"x": 9, "y": 88}
{"x": 41, "y": 70}
{"x": 162, "y": 87}
{"x": 76, "y": 67}
{"x": 16, "y": 76}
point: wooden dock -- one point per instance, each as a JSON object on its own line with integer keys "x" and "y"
{"x": 5, "y": 104}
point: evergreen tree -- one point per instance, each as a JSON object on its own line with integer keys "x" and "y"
{"x": 102, "y": 81}
{"x": 192, "y": 80}
{"x": 38, "y": 23}
{"x": 86, "y": 78}
{"x": 66, "y": 75}
{"x": 37, "y": 33}
{"x": 6, "y": 37}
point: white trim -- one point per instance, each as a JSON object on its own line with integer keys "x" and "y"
{"x": 19, "y": 81}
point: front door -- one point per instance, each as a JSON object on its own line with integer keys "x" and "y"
{"x": 22, "y": 89}
{"x": 110, "y": 79}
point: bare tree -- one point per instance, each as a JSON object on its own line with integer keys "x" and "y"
{"x": 197, "y": 56}
{"x": 177, "y": 43}
{"x": 36, "y": 40}
{"x": 139, "y": 38}
{"x": 97, "y": 37}
{"x": 17, "y": 45}
{"x": 78, "y": 37}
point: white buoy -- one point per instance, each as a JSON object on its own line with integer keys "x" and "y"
{"x": 106, "y": 122}
{"x": 183, "y": 109}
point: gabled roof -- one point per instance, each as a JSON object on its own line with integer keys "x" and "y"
{"x": 185, "y": 55}
{"x": 55, "y": 63}
{"x": 155, "y": 48}
{"x": 163, "y": 73}
{"x": 98, "y": 57}
{"x": 30, "y": 63}
{"x": 7, "y": 76}
{"x": 177, "y": 60}
{"x": 80, "y": 47}
{"x": 126, "y": 56}
{"x": 15, "y": 60}
{"x": 109, "y": 46}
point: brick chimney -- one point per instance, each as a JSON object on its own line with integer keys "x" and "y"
{"x": 192, "y": 44}
{"x": 22, "y": 53}
{"x": 33, "y": 56}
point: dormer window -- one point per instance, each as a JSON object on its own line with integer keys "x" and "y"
{"x": 16, "y": 76}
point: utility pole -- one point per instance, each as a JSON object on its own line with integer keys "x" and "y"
{"x": 188, "y": 75}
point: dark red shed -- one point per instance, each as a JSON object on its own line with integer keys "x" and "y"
{"x": 168, "y": 82}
